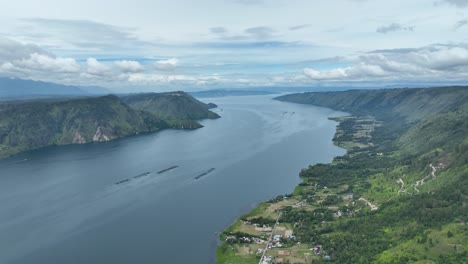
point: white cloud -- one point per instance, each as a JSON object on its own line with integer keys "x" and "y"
{"x": 357, "y": 72}
{"x": 393, "y": 28}
{"x": 442, "y": 59}
{"x": 166, "y": 65}
{"x": 129, "y": 66}
{"x": 458, "y": 3}
{"x": 94, "y": 67}
{"x": 432, "y": 62}
{"x": 178, "y": 78}
{"x": 26, "y": 59}
{"x": 14, "y": 50}
{"x": 44, "y": 63}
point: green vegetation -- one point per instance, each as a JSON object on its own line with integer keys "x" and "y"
{"x": 399, "y": 195}
{"x": 171, "y": 106}
{"x": 26, "y": 125}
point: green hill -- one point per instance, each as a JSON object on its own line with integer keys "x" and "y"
{"x": 413, "y": 166}
{"x": 399, "y": 195}
{"x": 179, "y": 109}
{"x": 410, "y": 103}
{"x": 26, "y": 125}
{"x": 171, "y": 105}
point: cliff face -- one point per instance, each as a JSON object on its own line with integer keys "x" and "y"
{"x": 35, "y": 124}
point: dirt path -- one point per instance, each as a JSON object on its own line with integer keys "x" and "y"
{"x": 434, "y": 169}
{"x": 402, "y": 183}
{"x": 372, "y": 206}
{"x": 415, "y": 185}
{"x": 422, "y": 181}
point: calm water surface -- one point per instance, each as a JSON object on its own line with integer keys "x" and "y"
{"x": 61, "y": 204}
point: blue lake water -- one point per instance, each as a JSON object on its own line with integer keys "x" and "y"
{"x": 61, "y": 204}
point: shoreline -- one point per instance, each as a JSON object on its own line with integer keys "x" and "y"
{"x": 222, "y": 256}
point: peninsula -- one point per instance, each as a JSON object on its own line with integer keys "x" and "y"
{"x": 32, "y": 124}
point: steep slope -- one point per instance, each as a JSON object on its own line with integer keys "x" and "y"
{"x": 413, "y": 175}
{"x": 30, "y": 125}
{"x": 399, "y": 195}
{"x": 412, "y": 104}
{"x": 171, "y": 105}
{"x": 179, "y": 109}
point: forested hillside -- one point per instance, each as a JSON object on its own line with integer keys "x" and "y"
{"x": 26, "y": 125}
{"x": 399, "y": 195}
{"x": 413, "y": 167}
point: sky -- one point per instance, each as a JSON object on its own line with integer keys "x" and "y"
{"x": 155, "y": 45}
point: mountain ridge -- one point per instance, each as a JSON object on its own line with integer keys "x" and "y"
{"x": 22, "y": 88}
{"x": 26, "y": 125}
{"x": 399, "y": 194}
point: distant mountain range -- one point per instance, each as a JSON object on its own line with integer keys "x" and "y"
{"x": 222, "y": 93}
{"x": 20, "y": 88}
{"x": 32, "y": 124}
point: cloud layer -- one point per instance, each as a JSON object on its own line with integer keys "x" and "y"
{"x": 234, "y": 43}
{"x": 432, "y": 62}
{"x": 27, "y": 60}
{"x": 458, "y": 3}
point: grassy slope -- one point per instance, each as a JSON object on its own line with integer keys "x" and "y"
{"x": 409, "y": 130}
{"x": 420, "y": 126}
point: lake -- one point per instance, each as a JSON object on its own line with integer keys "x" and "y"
{"x": 62, "y": 204}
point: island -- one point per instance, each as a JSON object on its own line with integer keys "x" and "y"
{"x": 398, "y": 195}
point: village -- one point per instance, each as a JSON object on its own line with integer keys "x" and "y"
{"x": 264, "y": 237}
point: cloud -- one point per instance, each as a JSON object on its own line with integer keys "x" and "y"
{"x": 443, "y": 59}
{"x": 461, "y": 23}
{"x": 393, "y": 28}
{"x": 359, "y": 71}
{"x": 218, "y": 30}
{"x": 457, "y": 3}
{"x": 166, "y": 65}
{"x": 14, "y": 50}
{"x": 85, "y": 34}
{"x": 26, "y": 59}
{"x": 252, "y": 33}
{"x": 249, "y": 45}
{"x": 94, "y": 67}
{"x": 298, "y": 27}
{"x": 129, "y": 66}
{"x": 44, "y": 63}
{"x": 160, "y": 78}
{"x": 260, "y": 32}
{"x": 429, "y": 63}
{"x": 248, "y": 2}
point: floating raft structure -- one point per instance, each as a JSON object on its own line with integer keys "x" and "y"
{"x": 204, "y": 173}
{"x": 168, "y": 169}
{"x": 145, "y": 174}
